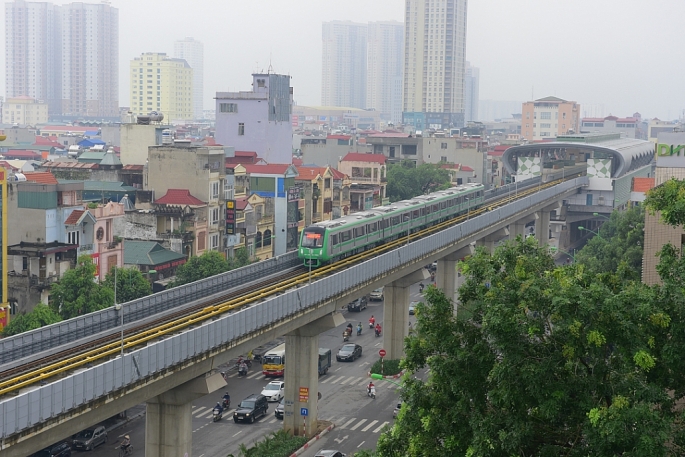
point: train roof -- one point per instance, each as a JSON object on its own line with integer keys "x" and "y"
{"x": 379, "y": 211}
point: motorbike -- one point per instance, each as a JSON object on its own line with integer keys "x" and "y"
{"x": 125, "y": 451}
{"x": 378, "y": 333}
{"x": 359, "y": 330}
{"x": 248, "y": 362}
{"x": 421, "y": 286}
{"x": 216, "y": 415}
{"x": 346, "y": 336}
{"x": 242, "y": 370}
{"x": 371, "y": 324}
{"x": 226, "y": 404}
{"x": 371, "y": 392}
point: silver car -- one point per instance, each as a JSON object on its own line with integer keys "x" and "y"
{"x": 89, "y": 438}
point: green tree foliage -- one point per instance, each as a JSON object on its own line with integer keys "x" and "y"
{"x": 406, "y": 180}
{"x": 552, "y": 362}
{"x": 279, "y": 443}
{"x": 40, "y": 316}
{"x": 199, "y": 267}
{"x": 78, "y": 293}
{"x": 669, "y": 200}
{"x": 619, "y": 247}
{"x": 131, "y": 284}
{"x": 240, "y": 259}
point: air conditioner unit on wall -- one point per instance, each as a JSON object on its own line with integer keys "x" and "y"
{"x": 601, "y": 200}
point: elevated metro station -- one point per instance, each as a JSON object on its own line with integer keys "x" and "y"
{"x": 612, "y": 162}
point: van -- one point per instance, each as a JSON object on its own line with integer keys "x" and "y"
{"x": 251, "y": 408}
{"x": 90, "y": 438}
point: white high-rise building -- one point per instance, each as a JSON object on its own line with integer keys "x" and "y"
{"x": 385, "y": 53}
{"x": 67, "y": 56}
{"x": 32, "y": 52}
{"x": 471, "y": 88}
{"x": 192, "y": 51}
{"x": 434, "y": 64}
{"x": 343, "y": 81}
{"x": 90, "y": 60}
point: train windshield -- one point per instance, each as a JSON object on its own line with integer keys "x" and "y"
{"x": 313, "y": 237}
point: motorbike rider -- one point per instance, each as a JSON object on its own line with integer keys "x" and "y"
{"x": 219, "y": 408}
{"x": 227, "y": 399}
{"x": 378, "y": 329}
{"x": 126, "y": 443}
{"x": 371, "y": 388}
{"x": 243, "y": 367}
{"x": 372, "y": 321}
{"x": 359, "y": 329}
{"x": 349, "y": 328}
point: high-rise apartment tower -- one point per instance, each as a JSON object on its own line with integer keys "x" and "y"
{"x": 192, "y": 51}
{"x": 434, "y": 63}
{"x": 67, "y": 56}
{"x": 471, "y": 90}
{"x": 385, "y": 44}
{"x": 343, "y": 81}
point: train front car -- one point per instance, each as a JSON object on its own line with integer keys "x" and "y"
{"x": 312, "y": 247}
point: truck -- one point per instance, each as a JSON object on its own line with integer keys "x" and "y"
{"x": 324, "y": 360}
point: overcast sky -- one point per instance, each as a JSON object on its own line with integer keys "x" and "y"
{"x": 612, "y": 56}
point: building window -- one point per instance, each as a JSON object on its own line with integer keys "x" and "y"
{"x": 546, "y": 115}
{"x": 214, "y": 216}
{"x": 228, "y": 107}
{"x": 73, "y": 237}
{"x": 214, "y": 242}
{"x": 563, "y": 115}
{"x": 241, "y": 129}
{"x": 214, "y": 189}
{"x": 443, "y": 159}
{"x": 443, "y": 145}
{"x": 545, "y": 126}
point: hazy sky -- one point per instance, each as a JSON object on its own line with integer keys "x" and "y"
{"x": 612, "y": 56}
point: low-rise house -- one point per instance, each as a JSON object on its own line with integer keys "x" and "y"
{"x": 368, "y": 181}
{"x": 152, "y": 259}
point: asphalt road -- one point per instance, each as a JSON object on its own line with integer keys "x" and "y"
{"x": 358, "y": 418}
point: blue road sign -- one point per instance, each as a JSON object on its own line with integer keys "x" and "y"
{"x": 304, "y": 412}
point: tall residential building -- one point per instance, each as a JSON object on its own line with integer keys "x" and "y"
{"x": 90, "y": 60}
{"x": 548, "y": 117}
{"x": 385, "y": 45}
{"x": 343, "y": 81}
{"x": 163, "y": 84}
{"x": 471, "y": 88}
{"x": 258, "y": 120}
{"x": 32, "y": 52}
{"x": 434, "y": 63}
{"x": 192, "y": 51}
{"x": 24, "y": 110}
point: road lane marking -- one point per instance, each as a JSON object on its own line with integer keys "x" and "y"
{"x": 335, "y": 380}
{"x": 347, "y": 423}
{"x": 338, "y": 369}
{"x": 200, "y": 413}
{"x": 358, "y": 424}
{"x": 273, "y": 420}
{"x": 360, "y": 444}
{"x": 256, "y": 373}
{"x": 325, "y": 381}
{"x": 381, "y": 427}
{"x": 347, "y": 380}
{"x": 371, "y": 424}
{"x": 238, "y": 433}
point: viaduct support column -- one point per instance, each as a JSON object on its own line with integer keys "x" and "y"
{"x": 490, "y": 241}
{"x": 302, "y": 375}
{"x": 448, "y": 278}
{"x": 542, "y": 223}
{"x": 168, "y": 418}
{"x": 396, "y": 313}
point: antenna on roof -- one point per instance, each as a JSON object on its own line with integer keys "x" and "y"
{"x": 271, "y": 69}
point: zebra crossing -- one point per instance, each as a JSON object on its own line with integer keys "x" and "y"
{"x": 354, "y": 381}
{"x": 354, "y": 423}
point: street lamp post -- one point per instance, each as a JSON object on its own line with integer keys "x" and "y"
{"x": 309, "y": 261}
{"x": 580, "y": 227}
{"x": 468, "y": 208}
{"x": 379, "y": 377}
{"x": 119, "y": 308}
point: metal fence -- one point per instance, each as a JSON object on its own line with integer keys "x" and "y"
{"x": 31, "y": 408}
{"x": 52, "y": 336}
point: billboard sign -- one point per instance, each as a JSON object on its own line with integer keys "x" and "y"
{"x": 230, "y": 217}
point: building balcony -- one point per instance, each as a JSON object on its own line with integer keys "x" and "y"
{"x": 266, "y": 220}
{"x": 42, "y": 282}
{"x": 366, "y": 180}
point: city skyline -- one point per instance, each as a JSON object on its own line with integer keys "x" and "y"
{"x": 520, "y": 57}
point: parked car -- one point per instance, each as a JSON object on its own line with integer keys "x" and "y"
{"x": 90, "y": 438}
{"x": 251, "y": 408}
{"x": 412, "y": 307}
{"x": 357, "y": 305}
{"x": 278, "y": 412}
{"x": 329, "y": 454}
{"x": 349, "y": 352}
{"x": 377, "y": 294}
{"x": 274, "y": 391}
{"x": 61, "y": 449}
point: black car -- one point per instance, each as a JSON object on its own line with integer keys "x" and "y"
{"x": 56, "y": 450}
{"x": 357, "y": 305}
{"x": 278, "y": 412}
{"x": 251, "y": 408}
{"x": 349, "y": 353}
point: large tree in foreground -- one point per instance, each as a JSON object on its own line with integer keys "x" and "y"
{"x": 552, "y": 362}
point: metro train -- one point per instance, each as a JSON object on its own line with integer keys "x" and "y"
{"x": 329, "y": 241}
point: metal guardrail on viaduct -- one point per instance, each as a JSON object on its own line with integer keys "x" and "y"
{"x": 28, "y": 410}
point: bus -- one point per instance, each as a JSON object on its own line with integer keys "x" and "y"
{"x": 273, "y": 362}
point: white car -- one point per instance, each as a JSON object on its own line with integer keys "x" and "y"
{"x": 274, "y": 391}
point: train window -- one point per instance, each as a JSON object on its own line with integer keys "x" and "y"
{"x": 443, "y": 205}
{"x": 346, "y": 235}
{"x": 424, "y": 211}
{"x": 427, "y": 209}
{"x": 451, "y": 202}
{"x": 406, "y": 217}
{"x": 416, "y": 213}
{"x": 385, "y": 223}
{"x": 372, "y": 227}
{"x": 334, "y": 240}
{"x": 395, "y": 220}
{"x": 436, "y": 208}
{"x": 312, "y": 239}
{"x": 358, "y": 231}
